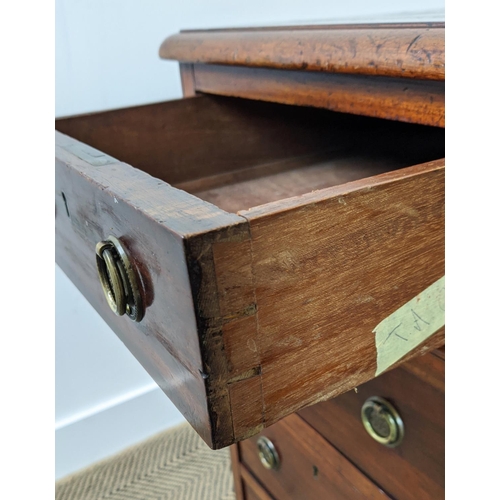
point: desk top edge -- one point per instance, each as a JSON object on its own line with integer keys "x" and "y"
{"x": 412, "y": 50}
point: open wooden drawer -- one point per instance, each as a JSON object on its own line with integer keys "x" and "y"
{"x": 266, "y": 243}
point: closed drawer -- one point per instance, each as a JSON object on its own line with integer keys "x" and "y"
{"x": 415, "y": 468}
{"x": 251, "y": 489}
{"x": 263, "y": 242}
{"x": 250, "y": 493}
{"x": 308, "y": 467}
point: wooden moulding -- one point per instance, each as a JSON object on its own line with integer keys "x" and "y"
{"x": 250, "y": 316}
{"x": 413, "y": 51}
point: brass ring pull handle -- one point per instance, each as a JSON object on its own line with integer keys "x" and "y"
{"x": 118, "y": 279}
{"x": 382, "y": 421}
{"x": 268, "y": 454}
{"x": 109, "y": 276}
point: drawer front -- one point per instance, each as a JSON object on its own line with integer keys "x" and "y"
{"x": 415, "y": 468}
{"x": 159, "y": 226}
{"x": 251, "y": 489}
{"x": 375, "y": 96}
{"x": 250, "y": 493}
{"x": 252, "y": 315}
{"x": 309, "y": 467}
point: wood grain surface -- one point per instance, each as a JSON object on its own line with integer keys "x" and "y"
{"x": 408, "y": 52}
{"x": 374, "y": 147}
{"x": 414, "y": 470}
{"x": 415, "y": 101}
{"x": 328, "y": 267}
{"x": 184, "y": 140}
{"x": 238, "y": 196}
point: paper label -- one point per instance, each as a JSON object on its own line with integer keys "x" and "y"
{"x": 409, "y": 326}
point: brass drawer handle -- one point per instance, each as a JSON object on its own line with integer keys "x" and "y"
{"x": 382, "y": 421}
{"x": 118, "y": 279}
{"x": 268, "y": 454}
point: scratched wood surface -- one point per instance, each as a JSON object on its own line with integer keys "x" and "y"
{"x": 409, "y": 52}
{"x": 328, "y": 267}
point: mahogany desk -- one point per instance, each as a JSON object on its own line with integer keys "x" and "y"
{"x": 271, "y": 249}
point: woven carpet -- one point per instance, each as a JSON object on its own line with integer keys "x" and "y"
{"x": 175, "y": 464}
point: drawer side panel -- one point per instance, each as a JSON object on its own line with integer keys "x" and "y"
{"x": 329, "y": 267}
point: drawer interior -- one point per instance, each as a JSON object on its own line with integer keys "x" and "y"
{"x": 221, "y": 334}
{"x": 238, "y": 154}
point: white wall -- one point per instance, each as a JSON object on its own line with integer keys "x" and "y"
{"x": 107, "y": 57}
{"x": 105, "y": 400}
